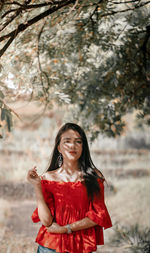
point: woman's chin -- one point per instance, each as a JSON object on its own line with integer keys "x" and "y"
{"x": 71, "y": 158}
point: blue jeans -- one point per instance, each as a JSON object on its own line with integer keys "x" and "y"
{"x": 42, "y": 249}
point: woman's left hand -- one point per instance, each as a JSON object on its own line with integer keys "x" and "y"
{"x": 55, "y": 228}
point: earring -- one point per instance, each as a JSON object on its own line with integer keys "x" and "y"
{"x": 60, "y": 160}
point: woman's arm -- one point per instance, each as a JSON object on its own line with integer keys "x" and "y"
{"x": 82, "y": 224}
{"x": 43, "y": 210}
{"x": 75, "y": 226}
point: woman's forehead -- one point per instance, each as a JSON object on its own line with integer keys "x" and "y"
{"x": 70, "y": 134}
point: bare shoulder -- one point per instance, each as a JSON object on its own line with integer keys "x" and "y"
{"x": 50, "y": 175}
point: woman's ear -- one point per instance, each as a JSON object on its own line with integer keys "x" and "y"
{"x": 58, "y": 148}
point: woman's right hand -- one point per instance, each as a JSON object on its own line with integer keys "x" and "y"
{"x": 33, "y": 177}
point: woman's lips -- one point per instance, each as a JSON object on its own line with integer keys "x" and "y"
{"x": 72, "y": 152}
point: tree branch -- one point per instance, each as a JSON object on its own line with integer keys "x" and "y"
{"x": 125, "y": 2}
{"x": 39, "y": 62}
{"x": 12, "y": 10}
{"x": 144, "y": 46}
{"x": 13, "y": 3}
{"x": 31, "y": 6}
{"x": 21, "y": 27}
{"x": 125, "y": 10}
{"x": 9, "y": 21}
{"x": 96, "y": 8}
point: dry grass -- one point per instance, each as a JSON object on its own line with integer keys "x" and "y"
{"x": 13, "y": 244}
{"x": 130, "y": 205}
{"x": 5, "y": 212}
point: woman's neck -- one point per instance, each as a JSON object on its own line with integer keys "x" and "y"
{"x": 70, "y": 167}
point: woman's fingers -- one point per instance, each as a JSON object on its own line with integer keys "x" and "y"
{"x": 34, "y": 168}
{"x": 33, "y": 177}
{"x": 32, "y": 173}
{"x": 56, "y": 228}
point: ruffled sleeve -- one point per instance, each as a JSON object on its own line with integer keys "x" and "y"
{"x": 98, "y": 211}
{"x": 48, "y": 199}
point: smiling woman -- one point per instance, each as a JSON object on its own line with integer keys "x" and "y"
{"x": 70, "y": 197}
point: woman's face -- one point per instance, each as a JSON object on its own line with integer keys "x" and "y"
{"x": 70, "y": 145}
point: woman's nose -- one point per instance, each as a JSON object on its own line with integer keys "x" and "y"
{"x": 72, "y": 144}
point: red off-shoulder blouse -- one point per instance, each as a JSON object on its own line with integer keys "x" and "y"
{"x": 68, "y": 202}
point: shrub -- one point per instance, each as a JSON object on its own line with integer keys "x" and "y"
{"x": 132, "y": 239}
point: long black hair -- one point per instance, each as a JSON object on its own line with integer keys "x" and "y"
{"x": 86, "y": 164}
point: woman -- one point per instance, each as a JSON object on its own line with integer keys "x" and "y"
{"x": 70, "y": 197}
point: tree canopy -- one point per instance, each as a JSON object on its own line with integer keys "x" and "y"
{"x": 93, "y": 54}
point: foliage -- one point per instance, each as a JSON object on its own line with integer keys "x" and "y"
{"x": 133, "y": 239}
{"x": 93, "y": 55}
{"x": 6, "y": 116}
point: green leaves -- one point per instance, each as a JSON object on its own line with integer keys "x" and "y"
{"x": 5, "y": 116}
{"x": 90, "y": 60}
{"x": 1, "y": 95}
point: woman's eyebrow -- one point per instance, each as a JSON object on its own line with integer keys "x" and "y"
{"x": 68, "y": 138}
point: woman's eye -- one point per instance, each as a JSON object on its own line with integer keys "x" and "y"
{"x": 79, "y": 142}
